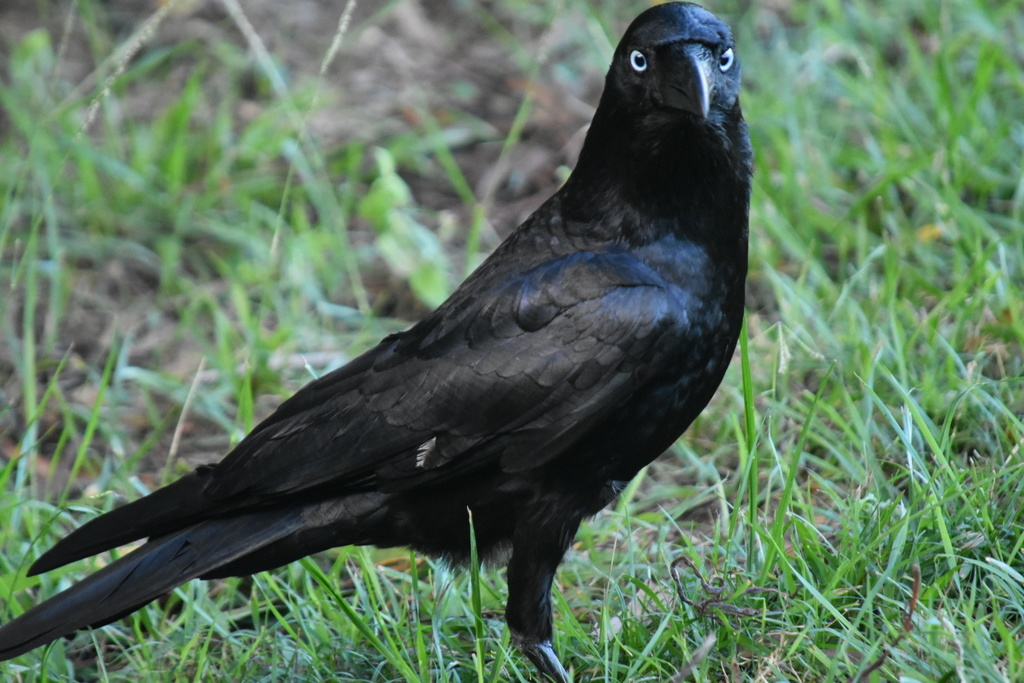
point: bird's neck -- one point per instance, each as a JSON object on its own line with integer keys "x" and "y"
{"x": 682, "y": 176}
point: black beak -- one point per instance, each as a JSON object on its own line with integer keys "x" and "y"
{"x": 686, "y": 83}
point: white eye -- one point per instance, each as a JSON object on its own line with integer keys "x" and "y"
{"x": 726, "y": 60}
{"x": 638, "y": 61}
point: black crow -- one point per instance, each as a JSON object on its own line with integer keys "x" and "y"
{"x": 575, "y": 355}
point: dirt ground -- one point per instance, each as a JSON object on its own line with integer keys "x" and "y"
{"x": 393, "y": 62}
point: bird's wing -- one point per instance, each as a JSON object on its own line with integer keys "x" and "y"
{"x": 516, "y": 376}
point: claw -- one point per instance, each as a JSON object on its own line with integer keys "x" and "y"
{"x": 544, "y": 658}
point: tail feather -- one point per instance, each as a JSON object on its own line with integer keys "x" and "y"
{"x": 179, "y": 505}
{"x": 147, "y": 573}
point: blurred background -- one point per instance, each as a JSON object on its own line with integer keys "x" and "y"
{"x": 206, "y": 203}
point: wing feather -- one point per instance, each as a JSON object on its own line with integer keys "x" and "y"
{"x": 509, "y": 379}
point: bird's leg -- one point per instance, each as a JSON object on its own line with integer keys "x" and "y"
{"x": 536, "y": 552}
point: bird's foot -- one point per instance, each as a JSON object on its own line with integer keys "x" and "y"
{"x": 544, "y": 658}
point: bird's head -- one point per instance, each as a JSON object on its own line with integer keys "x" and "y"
{"x": 668, "y": 138}
{"x": 676, "y": 58}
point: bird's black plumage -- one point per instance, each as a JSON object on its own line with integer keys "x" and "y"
{"x": 576, "y": 354}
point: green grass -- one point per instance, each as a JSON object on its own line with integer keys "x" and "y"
{"x": 181, "y": 262}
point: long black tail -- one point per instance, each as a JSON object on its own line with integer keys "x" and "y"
{"x": 177, "y": 506}
{"x": 149, "y": 572}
